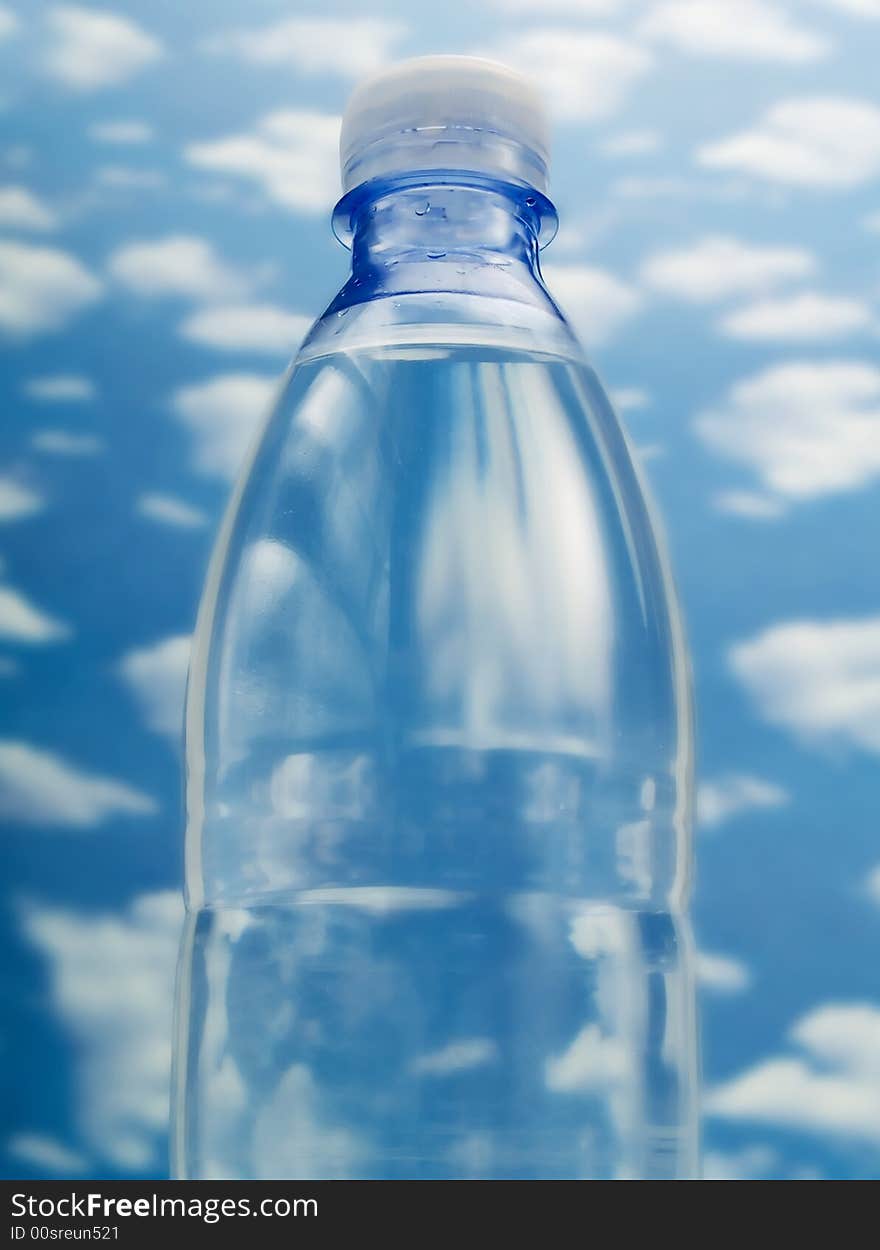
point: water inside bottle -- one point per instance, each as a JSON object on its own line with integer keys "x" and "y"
{"x": 423, "y": 1034}
{"x": 440, "y": 842}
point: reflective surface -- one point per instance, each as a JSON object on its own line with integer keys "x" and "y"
{"x": 442, "y": 648}
{"x": 419, "y": 1034}
{"x": 439, "y": 750}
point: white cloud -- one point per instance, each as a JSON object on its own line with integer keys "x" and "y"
{"x": 691, "y": 190}
{"x": 261, "y": 328}
{"x": 348, "y": 46}
{"x": 170, "y": 511}
{"x": 112, "y": 984}
{"x": 180, "y": 265}
{"x": 46, "y": 1154}
{"x": 843, "y": 1033}
{"x": 292, "y": 156}
{"x": 720, "y": 974}
{"x": 754, "y": 1163}
{"x": 20, "y": 209}
{"x": 630, "y": 398}
{"x": 21, "y": 622}
{"x": 805, "y": 429}
{"x": 750, "y": 1163}
{"x": 586, "y": 75}
{"x": 121, "y": 132}
{"x": 223, "y": 415}
{"x": 855, "y": 8}
{"x": 728, "y": 796}
{"x": 810, "y": 141}
{"x": 817, "y": 678}
{"x": 753, "y": 30}
{"x": 298, "y": 1133}
{"x": 18, "y": 501}
{"x": 60, "y": 388}
{"x": 576, "y": 8}
{"x": 124, "y": 178}
{"x": 718, "y": 267}
{"x": 650, "y": 188}
{"x": 87, "y": 49}
{"x": 63, "y": 443}
{"x": 576, "y": 234}
{"x": 631, "y": 143}
{"x": 9, "y": 23}
{"x": 156, "y": 675}
{"x": 872, "y": 885}
{"x": 806, "y": 317}
{"x": 597, "y": 303}
{"x": 750, "y": 504}
{"x": 472, "y": 1052}
{"x": 831, "y": 1088}
{"x": 41, "y": 288}
{"x": 592, "y": 1061}
{"x": 649, "y": 451}
{"x": 384, "y": 900}
{"x": 38, "y": 787}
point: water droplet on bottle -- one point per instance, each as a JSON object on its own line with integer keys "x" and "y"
{"x": 423, "y": 208}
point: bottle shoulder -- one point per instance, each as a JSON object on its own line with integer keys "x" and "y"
{"x": 399, "y": 318}
{"x": 436, "y": 464}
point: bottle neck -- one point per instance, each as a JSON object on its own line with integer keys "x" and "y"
{"x": 442, "y": 233}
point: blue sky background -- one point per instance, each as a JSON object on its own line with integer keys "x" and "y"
{"x": 166, "y": 177}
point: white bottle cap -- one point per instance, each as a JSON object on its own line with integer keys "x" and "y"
{"x": 446, "y": 112}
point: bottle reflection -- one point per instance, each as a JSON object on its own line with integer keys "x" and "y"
{"x": 510, "y": 622}
{"x": 421, "y": 1034}
{"x": 439, "y": 788}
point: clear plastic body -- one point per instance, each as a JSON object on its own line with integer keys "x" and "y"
{"x": 438, "y": 745}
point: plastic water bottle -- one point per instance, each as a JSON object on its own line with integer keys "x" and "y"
{"x": 438, "y": 736}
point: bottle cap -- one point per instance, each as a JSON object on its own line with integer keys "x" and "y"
{"x": 446, "y": 112}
